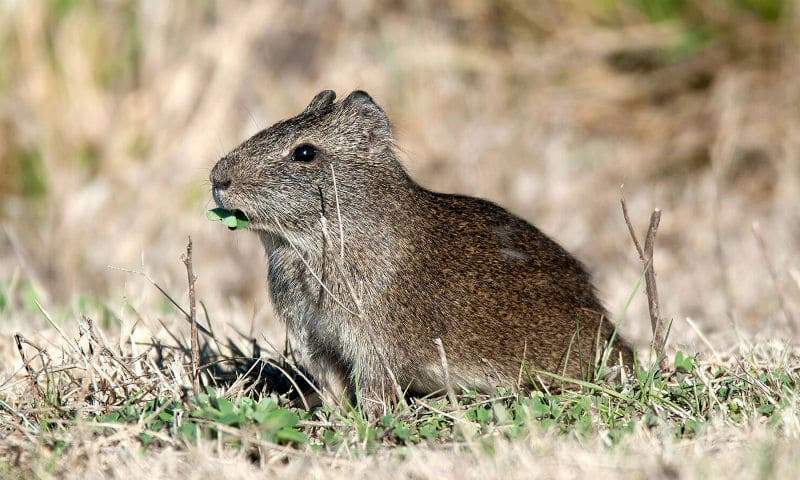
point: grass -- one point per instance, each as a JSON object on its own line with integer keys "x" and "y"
{"x": 110, "y": 390}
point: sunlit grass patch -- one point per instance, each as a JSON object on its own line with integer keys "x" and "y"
{"x": 100, "y": 385}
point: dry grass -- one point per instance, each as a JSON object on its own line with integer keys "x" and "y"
{"x": 112, "y": 113}
{"x": 87, "y": 406}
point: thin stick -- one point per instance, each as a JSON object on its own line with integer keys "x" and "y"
{"x": 100, "y": 341}
{"x": 31, "y": 376}
{"x": 451, "y": 394}
{"x": 187, "y": 260}
{"x": 311, "y": 270}
{"x": 657, "y": 326}
{"x": 704, "y": 339}
{"x": 356, "y": 299}
{"x": 656, "y": 322}
{"x": 58, "y": 328}
{"x": 30, "y": 426}
{"x": 401, "y": 398}
{"x": 339, "y": 265}
{"x": 163, "y": 292}
{"x": 522, "y": 364}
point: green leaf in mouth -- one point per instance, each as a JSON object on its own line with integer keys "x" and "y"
{"x": 233, "y": 219}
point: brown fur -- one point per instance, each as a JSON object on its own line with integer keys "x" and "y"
{"x": 417, "y": 265}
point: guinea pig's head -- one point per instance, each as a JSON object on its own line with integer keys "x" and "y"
{"x": 282, "y": 178}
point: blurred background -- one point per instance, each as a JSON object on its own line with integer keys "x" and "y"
{"x": 113, "y": 112}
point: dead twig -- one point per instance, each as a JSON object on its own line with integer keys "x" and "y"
{"x": 166, "y": 295}
{"x": 398, "y": 390}
{"x": 195, "y": 340}
{"x": 451, "y": 394}
{"x": 31, "y": 376}
{"x": 27, "y": 423}
{"x": 658, "y": 326}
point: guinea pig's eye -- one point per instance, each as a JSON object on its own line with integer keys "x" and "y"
{"x": 304, "y": 153}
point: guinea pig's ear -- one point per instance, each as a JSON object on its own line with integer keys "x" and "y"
{"x": 361, "y": 105}
{"x": 323, "y": 99}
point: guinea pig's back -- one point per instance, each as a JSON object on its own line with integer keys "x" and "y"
{"x": 499, "y": 291}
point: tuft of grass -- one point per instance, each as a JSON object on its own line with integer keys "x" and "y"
{"x": 255, "y": 404}
{"x": 154, "y": 404}
{"x": 211, "y": 416}
{"x": 85, "y": 390}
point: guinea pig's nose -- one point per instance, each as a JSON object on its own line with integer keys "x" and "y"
{"x": 220, "y": 180}
{"x": 221, "y": 183}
